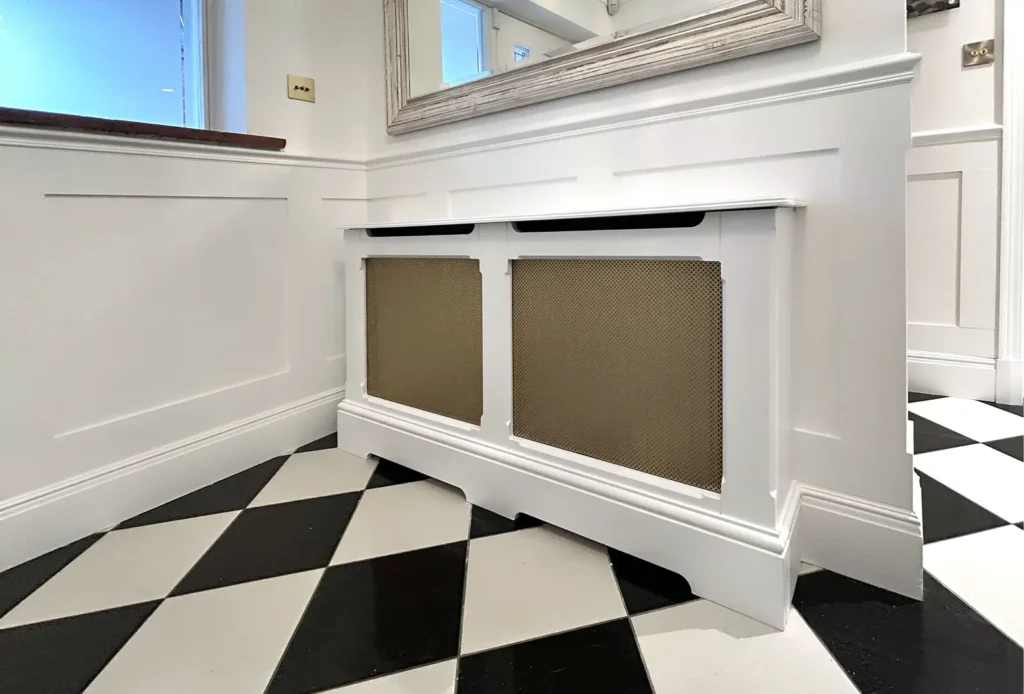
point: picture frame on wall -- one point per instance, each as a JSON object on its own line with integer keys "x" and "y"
{"x": 917, "y": 8}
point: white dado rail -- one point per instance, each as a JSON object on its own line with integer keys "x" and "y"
{"x": 736, "y": 547}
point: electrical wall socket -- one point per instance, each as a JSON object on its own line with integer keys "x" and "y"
{"x": 301, "y": 88}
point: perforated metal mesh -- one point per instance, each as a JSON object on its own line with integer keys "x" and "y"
{"x": 423, "y": 334}
{"x": 621, "y": 360}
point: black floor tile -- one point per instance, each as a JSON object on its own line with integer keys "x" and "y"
{"x": 1013, "y": 446}
{"x": 19, "y": 581}
{"x": 388, "y": 473}
{"x": 484, "y": 523}
{"x": 929, "y": 436}
{"x": 601, "y": 659}
{"x": 64, "y": 655}
{"x": 1015, "y": 409}
{"x": 329, "y": 441}
{"x": 921, "y": 397}
{"x": 946, "y": 514}
{"x": 272, "y": 541}
{"x": 645, "y": 586}
{"x": 230, "y": 494}
{"x": 888, "y": 643}
{"x": 376, "y": 617}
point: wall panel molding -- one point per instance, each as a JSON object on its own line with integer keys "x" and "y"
{"x": 174, "y": 403}
{"x": 845, "y": 79}
{"x": 955, "y": 136}
{"x": 38, "y": 521}
{"x": 967, "y": 326}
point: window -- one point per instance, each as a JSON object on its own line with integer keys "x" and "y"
{"x": 463, "y": 42}
{"x": 521, "y": 53}
{"x": 135, "y": 60}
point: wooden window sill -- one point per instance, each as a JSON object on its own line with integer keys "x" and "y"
{"x": 63, "y": 121}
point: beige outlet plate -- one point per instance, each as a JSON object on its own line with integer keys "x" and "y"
{"x": 979, "y": 53}
{"x": 301, "y": 88}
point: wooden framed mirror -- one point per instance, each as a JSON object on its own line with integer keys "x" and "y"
{"x": 448, "y": 60}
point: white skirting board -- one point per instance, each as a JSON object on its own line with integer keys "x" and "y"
{"x": 952, "y": 374}
{"x": 876, "y": 544}
{"x": 44, "y": 519}
{"x": 737, "y": 565}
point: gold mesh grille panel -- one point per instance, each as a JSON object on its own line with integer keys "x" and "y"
{"x": 423, "y": 334}
{"x": 621, "y": 360}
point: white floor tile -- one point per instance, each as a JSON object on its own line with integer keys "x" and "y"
{"x": 122, "y": 568}
{"x": 703, "y": 647}
{"x": 317, "y": 473}
{"x": 534, "y": 582}
{"x": 985, "y": 570}
{"x": 438, "y": 678}
{"x": 215, "y": 642}
{"x": 404, "y": 517}
{"x": 971, "y": 418}
{"x": 987, "y": 477}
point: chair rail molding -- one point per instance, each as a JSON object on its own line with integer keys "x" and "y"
{"x": 1010, "y": 362}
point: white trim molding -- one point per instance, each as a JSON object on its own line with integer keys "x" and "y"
{"x": 878, "y": 544}
{"x": 952, "y": 374}
{"x": 956, "y": 136}
{"x": 1009, "y": 369}
{"x": 834, "y": 81}
{"x": 44, "y": 138}
{"x": 741, "y": 29}
{"x": 36, "y": 522}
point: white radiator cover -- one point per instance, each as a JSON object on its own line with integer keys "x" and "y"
{"x": 740, "y": 548}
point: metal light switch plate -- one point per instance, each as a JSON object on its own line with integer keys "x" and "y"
{"x": 979, "y": 53}
{"x": 301, "y": 88}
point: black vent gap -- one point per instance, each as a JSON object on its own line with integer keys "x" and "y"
{"x": 662, "y": 220}
{"x": 436, "y": 230}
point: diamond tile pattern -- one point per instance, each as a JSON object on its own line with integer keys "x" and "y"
{"x": 321, "y": 572}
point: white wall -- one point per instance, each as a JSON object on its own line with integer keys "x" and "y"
{"x": 576, "y": 20}
{"x": 174, "y": 313}
{"x": 511, "y": 33}
{"x": 952, "y": 206}
{"x": 427, "y": 73}
{"x": 318, "y": 39}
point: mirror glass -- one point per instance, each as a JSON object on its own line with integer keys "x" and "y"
{"x": 452, "y": 42}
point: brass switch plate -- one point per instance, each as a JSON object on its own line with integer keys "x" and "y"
{"x": 979, "y": 53}
{"x": 301, "y": 88}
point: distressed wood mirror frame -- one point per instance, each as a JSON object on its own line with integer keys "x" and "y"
{"x": 740, "y": 29}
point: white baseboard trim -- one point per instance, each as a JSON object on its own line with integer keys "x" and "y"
{"x": 874, "y": 543}
{"x": 952, "y": 374}
{"x": 1009, "y": 381}
{"x": 43, "y": 519}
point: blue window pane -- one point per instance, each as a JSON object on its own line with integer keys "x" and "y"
{"x": 127, "y": 59}
{"x": 462, "y": 41}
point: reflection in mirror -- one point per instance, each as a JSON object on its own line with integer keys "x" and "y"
{"x": 452, "y": 42}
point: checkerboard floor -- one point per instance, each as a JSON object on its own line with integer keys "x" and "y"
{"x": 320, "y": 572}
